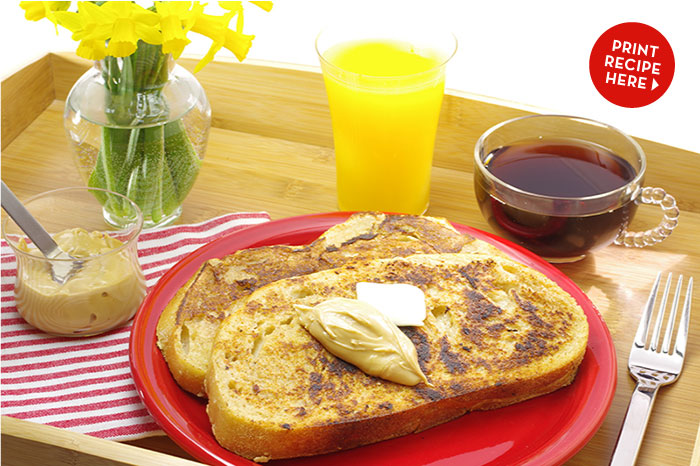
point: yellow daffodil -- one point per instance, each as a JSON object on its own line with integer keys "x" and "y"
{"x": 114, "y": 28}
{"x": 122, "y": 24}
{"x": 80, "y": 24}
{"x": 176, "y": 20}
{"x": 34, "y": 11}
{"x": 216, "y": 28}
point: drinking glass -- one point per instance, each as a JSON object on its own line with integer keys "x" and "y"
{"x": 385, "y": 84}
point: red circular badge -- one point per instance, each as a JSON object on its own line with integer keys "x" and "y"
{"x": 632, "y": 65}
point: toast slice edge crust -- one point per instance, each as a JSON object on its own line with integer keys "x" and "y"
{"x": 543, "y": 358}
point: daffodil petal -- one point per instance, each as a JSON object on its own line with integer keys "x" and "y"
{"x": 125, "y": 30}
{"x": 163, "y": 8}
{"x": 97, "y": 14}
{"x": 215, "y": 47}
{"x": 175, "y": 47}
{"x": 144, "y": 16}
{"x": 69, "y": 20}
{"x": 120, "y": 48}
{"x": 52, "y": 7}
{"x": 124, "y": 38}
{"x": 213, "y": 27}
{"x": 33, "y": 11}
{"x": 239, "y": 22}
{"x": 59, "y": 6}
{"x": 92, "y": 49}
{"x": 192, "y": 15}
{"x": 231, "y": 6}
{"x": 119, "y": 9}
{"x": 174, "y": 38}
{"x": 267, "y": 6}
{"x": 172, "y": 8}
{"x": 148, "y": 34}
{"x": 171, "y": 26}
{"x": 95, "y": 32}
{"x": 181, "y": 8}
{"x": 238, "y": 43}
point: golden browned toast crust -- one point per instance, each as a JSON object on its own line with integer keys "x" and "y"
{"x": 221, "y": 282}
{"x": 496, "y": 333}
{"x": 189, "y": 323}
{"x": 168, "y": 318}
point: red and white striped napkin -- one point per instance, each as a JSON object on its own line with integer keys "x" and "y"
{"x": 85, "y": 385}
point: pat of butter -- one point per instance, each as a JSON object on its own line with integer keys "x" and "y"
{"x": 402, "y": 303}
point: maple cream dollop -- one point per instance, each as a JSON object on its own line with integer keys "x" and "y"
{"x": 358, "y": 333}
{"x": 103, "y": 294}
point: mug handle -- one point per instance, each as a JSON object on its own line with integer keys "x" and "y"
{"x": 655, "y": 196}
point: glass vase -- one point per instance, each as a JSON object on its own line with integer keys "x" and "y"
{"x": 139, "y": 127}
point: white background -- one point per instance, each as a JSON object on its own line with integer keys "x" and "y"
{"x": 531, "y": 52}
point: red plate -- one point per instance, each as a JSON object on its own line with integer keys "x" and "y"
{"x": 546, "y": 430}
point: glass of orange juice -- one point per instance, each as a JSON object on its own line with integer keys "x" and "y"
{"x": 385, "y": 85}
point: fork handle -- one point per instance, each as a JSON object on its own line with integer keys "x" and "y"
{"x": 634, "y": 425}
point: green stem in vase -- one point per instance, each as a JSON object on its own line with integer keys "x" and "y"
{"x": 143, "y": 155}
{"x": 116, "y": 147}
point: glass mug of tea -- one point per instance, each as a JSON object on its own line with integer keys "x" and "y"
{"x": 564, "y": 186}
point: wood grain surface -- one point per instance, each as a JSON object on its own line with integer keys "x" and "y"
{"x": 270, "y": 149}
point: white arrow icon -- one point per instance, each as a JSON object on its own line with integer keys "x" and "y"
{"x": 654, "y": 84}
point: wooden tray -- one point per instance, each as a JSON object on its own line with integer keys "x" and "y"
{"x": 270, "y": 149}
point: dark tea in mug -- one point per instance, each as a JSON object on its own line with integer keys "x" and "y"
{"x": 563, "y": 186}
{"x": 559, "y": 168}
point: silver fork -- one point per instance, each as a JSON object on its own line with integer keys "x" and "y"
{"x": 651, "y": 368}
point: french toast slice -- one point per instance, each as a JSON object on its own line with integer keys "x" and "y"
{"x": 496, "y": 333}
{"x": 188, "y": 324}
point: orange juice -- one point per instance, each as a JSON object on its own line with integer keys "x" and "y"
{"x": 385, "y": 99}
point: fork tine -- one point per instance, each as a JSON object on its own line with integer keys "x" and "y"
{"x": 682, "y": 337}
{"x": 672, "y": 317}
{"x": 640, "y": 337}
{"x": 660, "y": 316}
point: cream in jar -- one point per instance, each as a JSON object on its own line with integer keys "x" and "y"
{"x": 103, "y": 294}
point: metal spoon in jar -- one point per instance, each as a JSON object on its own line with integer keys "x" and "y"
{"x": 63, "y": 265}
